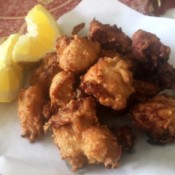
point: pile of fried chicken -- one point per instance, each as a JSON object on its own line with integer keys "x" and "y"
{"x": 92, "y": 77}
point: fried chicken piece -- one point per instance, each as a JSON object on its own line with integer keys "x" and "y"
{"x": 109, "y": 53}
{"x": 157, "y": 118}
{"x": 45, "y": 72}
{"x": 125, "y": 137}
{"x": 143, "y": 91}
{"x": 110, "y": 82}
{"x": 49, "y": 109}
{"x": 69, "y": 144}
{"x": 100, "y": 146}
{"x": 164, "y": 76}
{"x": 77, "y": 115}
{"x": 151, "y": 60}
{"x": 30, "y": 104}
{"x": 67, "y": 126}
{"x": 61, "y": 89}
{"x": 110, "y": 37}
{"x": 149, "y": 51}
{"x": 78, "y": 28}
{"x": 75, "y": 128}
{"x": 76, "y": 54}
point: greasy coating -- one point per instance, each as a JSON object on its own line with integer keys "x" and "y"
{"x": 157, "y": 118}
{"x": 49, "y": 110}
{"x": 110, "y": 37}
{"x": 110, "y": 81}
{"x": 30, "y": 104}
{"x": 75, "y": 128}
{"x": 61, "y": 89}
{"x": 78, "y": 113}
{"x": 164, "y": 76}
{"x": 108, "y": 53}
{"x": 148, "y": 50}
{"x": 143, "y": 91}
{"x": 100, "y": 146}
{"x": 45, "y": 72}
{"x": 67, "y": 126}
{"x": 69, "y": 144}
{"x": 78, "y": 28}
{"x": 76, "y": 54}
{"x": 125, "y": 137}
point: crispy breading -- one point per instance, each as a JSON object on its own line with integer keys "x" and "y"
{"x": 30, "y": 104}
{"x": 69, "y": 145}
{"x": 110, "y": 37}
{"x": 157, "y": 118}
{"x": 125, "y": 137}
{"x": 100, "y": 146}
{"x": 78, "y": 28}
{"x": 67, "y": 126}
{"x": 76, "y": 54}
{"x": 110, "y": 81}
{"x": 61, "y": 89}
{"x": 143, "y": 91}
{"x": 79, "y": 91}
{"x": 45, "y": 72}
{"x": 75, "y": 129}
{"x": 149, "y": 51}
{"x": 79, "y": 113}
{"x": 49, "y": 110}
{"x": 164, "y": 76}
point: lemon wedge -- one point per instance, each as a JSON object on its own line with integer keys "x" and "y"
{"x": 11, "y": 81}
{"x": 6, "y": 49}
{"x": 11, "y": 74}
{"x": 42, "y": 32}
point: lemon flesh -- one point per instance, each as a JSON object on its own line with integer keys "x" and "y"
{"x": 11, "y": 81}
{"x": 42, "y": 32}
{"x": 6, "y": 49}
{"x": 11, "y": 74}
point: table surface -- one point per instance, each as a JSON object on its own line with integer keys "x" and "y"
{"x": 12, "y": 12}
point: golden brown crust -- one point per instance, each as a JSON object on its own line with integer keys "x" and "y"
{"x": 67, "y": 126}
{"x": 100, "y": 146}
{"x": 148, "y": 50}
{"x": 78, "y": 113}
{"x": 49, "y": 110}
{"x": 157, "y": 118}
{"x": 75, "y": 129}
{"x": 110, "y": 81}
{"x": 69, "y": 145}
{"x": 76, "y": 54}
{"x": 61, "y": 89}
{"x": 78, "y": 28}
{"x": 110, "y": 37}
{"x": 30, "y": 104}
{"x": 165, "y": 76}
{"x": 143, "y": 91}
{"x": 125, "y": 137}
{"x": 45, "y": 72}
